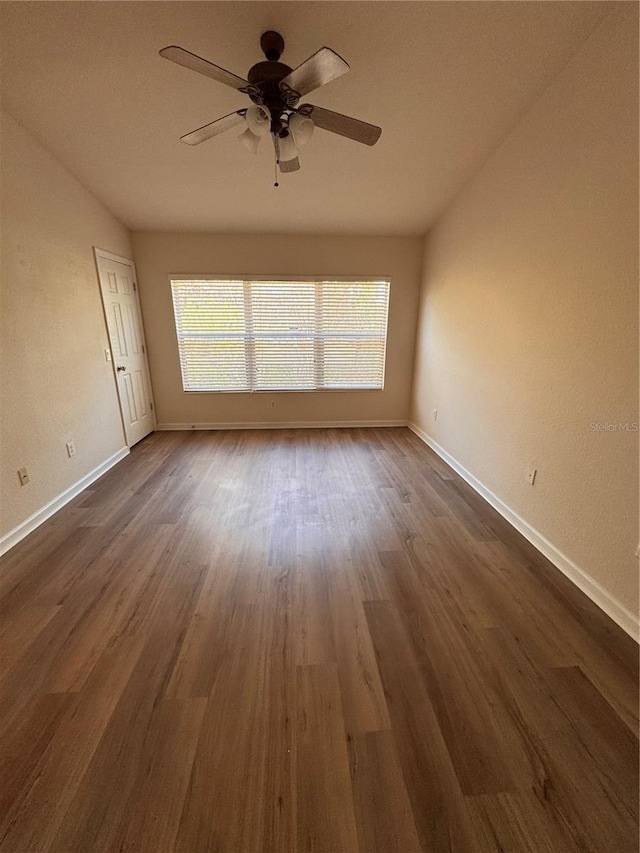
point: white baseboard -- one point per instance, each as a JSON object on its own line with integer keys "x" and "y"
{"x": 29, "y": 525}
{"x": 284, "y": 425}
{"x": 591, "y": 588}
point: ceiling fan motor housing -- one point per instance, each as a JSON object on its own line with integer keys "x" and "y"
{"x": 268, "y": 71}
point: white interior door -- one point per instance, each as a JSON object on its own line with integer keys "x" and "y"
{"x": 128, "y": 351}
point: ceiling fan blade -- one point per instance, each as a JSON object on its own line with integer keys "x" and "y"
{"x": 289, "y": 165}
{"x": 352, "y": 128}
{"x": 323, "y": 67}
{"x": 196, "y": 63}
{"x": 213, "y": 128}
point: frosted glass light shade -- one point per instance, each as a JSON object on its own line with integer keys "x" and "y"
{"x": 250, "y": 140}
{"x": 258, "y": 120}
{"x": 301, "y": 128}
{"x": 288, "y": 150}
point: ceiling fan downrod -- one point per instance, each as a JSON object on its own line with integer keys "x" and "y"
{"x": 272, "y": 45}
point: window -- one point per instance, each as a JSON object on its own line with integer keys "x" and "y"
{"x": 280, "y": 335}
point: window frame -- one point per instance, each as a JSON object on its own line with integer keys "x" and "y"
{"x": 311, "y": 279}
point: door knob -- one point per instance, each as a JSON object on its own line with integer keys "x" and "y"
{"x": 120, "y": 367}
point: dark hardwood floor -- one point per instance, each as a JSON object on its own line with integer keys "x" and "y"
{"x": 311, "y": 640}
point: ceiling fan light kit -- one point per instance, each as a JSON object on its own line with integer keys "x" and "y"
{"x": 250, "y": 140}
{"x": 258, "y": 120}
{"x": 275, "y": 90}
{"x": 287, "y": 148}
{"x": 301, "y": 128}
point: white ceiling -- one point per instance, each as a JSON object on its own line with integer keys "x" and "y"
{"x": 445, "y": 80}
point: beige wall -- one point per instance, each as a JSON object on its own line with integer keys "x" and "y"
{"x": 528, "y": 329}
{"x": 159, "y": 255}
{"x": 55, "y": 382}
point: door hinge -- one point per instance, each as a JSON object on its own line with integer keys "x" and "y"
{"x": 151, "y": 405}
{"x": 143, "y": 348}
{"x": 135, "y": 286}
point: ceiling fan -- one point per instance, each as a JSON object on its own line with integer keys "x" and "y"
{"x": 275, "y": 90}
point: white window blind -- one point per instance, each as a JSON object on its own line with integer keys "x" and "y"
{"x": 280, "y": 335}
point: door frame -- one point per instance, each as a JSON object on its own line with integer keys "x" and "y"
{"x": 110, "y": 256}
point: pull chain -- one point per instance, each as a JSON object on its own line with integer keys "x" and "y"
{"x": 275, "y": 168}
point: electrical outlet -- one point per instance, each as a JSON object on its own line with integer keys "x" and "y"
{"x": 273, "y": 404}
{"x": 435, "y": 414}
{"x": 23, "y": 475}
{"x": 71, "y": 448}
{"x": 531, "y": 476}
{"x": 107, "y": 355}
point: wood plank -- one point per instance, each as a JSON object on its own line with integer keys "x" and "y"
{"x": 39, "y": 806}
{"x": 241, "y": 793}
{"x": 152, "y": 814}
{"x": 95, "y": 815}
{"x": 566, "y": 748}
{"x": 509, "y": 822}
{"x": 436, "y": 798}
{"x": 363, "y": 704}
{"x": 383, "y": 811}
{"x": 470, "y": 720}
{"x": 326, "y": 819}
